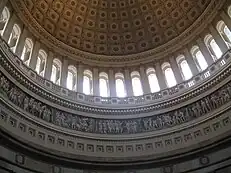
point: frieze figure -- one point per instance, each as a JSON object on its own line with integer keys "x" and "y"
{"x": 4, "y": 84}
{"x": 26, "y": 104}
{"x": 46, "y": 114}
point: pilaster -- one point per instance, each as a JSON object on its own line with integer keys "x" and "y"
{"x": 112, "y": 83}
{"x": 64, "y": 72}
{"x": 34, "y": 56}
{"x": 49, "y": 64}
{"x": 80, "y": 78}
{"x": 96, "y": 82}
{"x": 176, "y": 70}
{"x": 144, "y": 80}
{"x": 205, "y": 51}
{"x": 128, "y": 83}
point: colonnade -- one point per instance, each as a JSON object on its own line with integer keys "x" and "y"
{"x": 167, "y": 72}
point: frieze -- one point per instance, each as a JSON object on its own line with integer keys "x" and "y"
{"x": 113, "y": 126}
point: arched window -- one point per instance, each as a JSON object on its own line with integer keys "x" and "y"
{"x": 56, "y": 71}
{"x": 136, "y": 83}
{"x": 41, "y": 62}
{"x": 184, "y": 67}
{"x": 199, "y": 58}
{"x": 224, "y": 32}
{"x": 14, "y": 37}
{"x": 120, "y": 85}
{"x": 87, "y": 82}
{"x": 4, "y": 18}
{"x": 103, "y": 85}
{"x": 71, "y": 78}
{"x": 213, "y": 47}
{"x": 169, "y": 75}
{"x": 229, "y": 11}
{"x": 152, "y": 79}
{"x": 27, "y": 51}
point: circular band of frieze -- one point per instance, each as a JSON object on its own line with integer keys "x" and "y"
{"x": 216, "y": 127}
{"x": 12, "y": 70}
{"x": 201, "y": 109}
{"x": 157, "y": 53}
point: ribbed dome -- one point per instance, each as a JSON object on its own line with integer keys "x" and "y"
{"x": 115, "y": 27}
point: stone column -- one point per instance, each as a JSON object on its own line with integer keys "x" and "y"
{"x": 9, "y": 27}
{"x": 176, "y": 70}
{"x": 49, "y": 64}
{"x": 80, "y": 78}
{"x": 2, "y": 5}
{"x": 64, "y": 72}
{"x": 226, "y": 19}
{"x": 112, "y": 87}
{"x": 128, "y": 83}
{"x": 191, "y": 62}
{"x": 160, "y": 76}
{"x": 96, "y": 82}
{"x": 21, "y": 42}
{"x": 219, "y": 40}
{"x": 34, "y": 55}
{"x": 204, "y": 50}
{"x": 144, "y": 80}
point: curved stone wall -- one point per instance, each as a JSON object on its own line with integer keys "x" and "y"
{"x": 107, "y": 138}
{"x": 71, "y": 127}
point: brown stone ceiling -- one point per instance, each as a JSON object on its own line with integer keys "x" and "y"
{"x": 115, "y": 27}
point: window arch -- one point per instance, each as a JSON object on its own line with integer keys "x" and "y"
{"x": 120, "y": 85}
{"x": 199, "y": 58}
{"x": 169, "y": 75}
{"x": 152, "y": 79}
{"x": 87, "y": 82}
{"x": 184, "y": 67}
{"x": 4, "y": 19}
{"x": 56, "y": 71}
{"x": 27, "y": 51}
{"x": 224, "y": 32}
{"x": 103, "y": 85}
{"x": 71, "y": 78}
{"x": 136, "y": 83}
{"x": 41, "y": 62}
{"x": 213, "y": 47}
{"x": 229, "y": 11}
{"x": 14, "y": 37}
